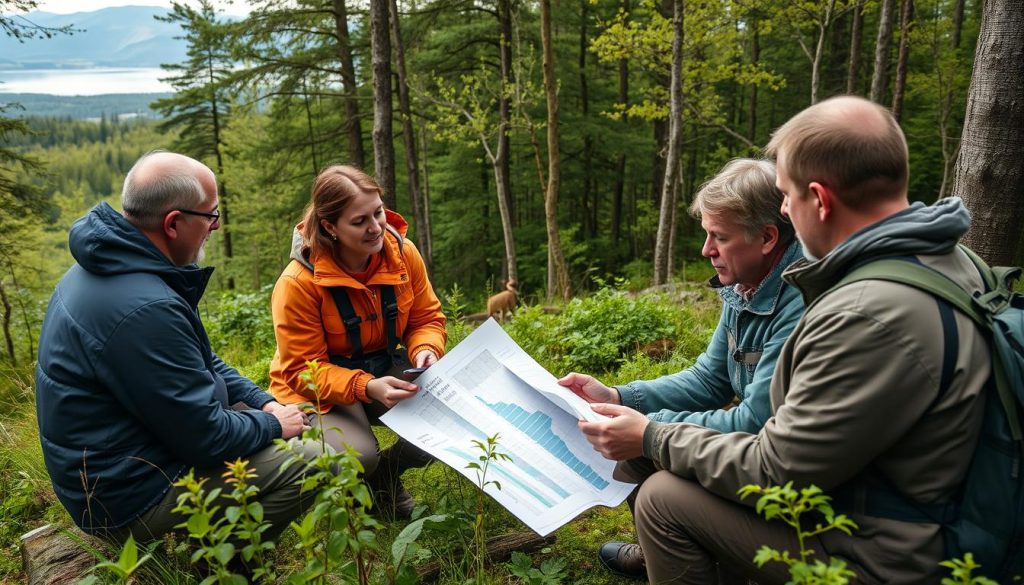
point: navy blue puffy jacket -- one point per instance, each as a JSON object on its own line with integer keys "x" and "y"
{"x": 128, "y": 391}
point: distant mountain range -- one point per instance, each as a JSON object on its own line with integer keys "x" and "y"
{"x": 124, "y": 36}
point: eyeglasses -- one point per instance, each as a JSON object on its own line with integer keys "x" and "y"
{"x": 213, "y": 217}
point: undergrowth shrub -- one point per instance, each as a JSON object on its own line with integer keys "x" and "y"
{"x": 236, "y": 318}
{"x": 596, "y": 333}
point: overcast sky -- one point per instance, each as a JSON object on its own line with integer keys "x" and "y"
{"x": 68, "y": 6}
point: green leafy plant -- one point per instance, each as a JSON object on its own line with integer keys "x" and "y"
{"x": 962, "y": 570}
{"x": 789, "y": 505}
{"x": 405, "y": 548}
{"x": 209, "y": 531}
{"x": 596, "y": 333}
{"x": 241, "y": 316}
{"x": 124, "y": 568}
{"x": 339, "y": 525}
{"x": 551, "y": 571}
{"x": 245, "y": 517}
{"x": 488, "y": 454}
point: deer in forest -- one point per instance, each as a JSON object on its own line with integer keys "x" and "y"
{"x": 503, "y": 302}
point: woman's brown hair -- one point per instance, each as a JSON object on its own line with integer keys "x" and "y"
{"x": 333, "y": 189}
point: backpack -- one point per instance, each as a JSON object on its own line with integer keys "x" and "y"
{"x": 987, "y": 518}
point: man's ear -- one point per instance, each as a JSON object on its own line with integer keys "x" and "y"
{"x": 170, "y": 224}
{"x": 824, "y": 197}
{"x": 769, "y": 238}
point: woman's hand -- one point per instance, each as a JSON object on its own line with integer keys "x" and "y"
{"x": 389, "y": 390}
{"x": 424, "y": 359}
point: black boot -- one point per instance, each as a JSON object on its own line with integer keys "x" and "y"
{"x": 390, "y": 498}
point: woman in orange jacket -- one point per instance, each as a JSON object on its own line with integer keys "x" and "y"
{"x": 354, "y": 289}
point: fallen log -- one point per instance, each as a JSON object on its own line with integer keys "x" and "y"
{"x": 50, "y": 556}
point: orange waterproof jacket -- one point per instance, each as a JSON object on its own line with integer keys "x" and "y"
{"x": 308, "y": 326}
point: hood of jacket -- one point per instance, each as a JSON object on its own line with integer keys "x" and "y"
{"x": 104, "y": 243}
{"x": 326, "y": 269}
{"x": 917, "y": 230}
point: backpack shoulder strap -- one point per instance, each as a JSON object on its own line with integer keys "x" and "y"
{"x": 920, "y": 277}
{"x": 981, "y": 309}
{"x": 389, "y": 308}
{"x": 349, "y": 318}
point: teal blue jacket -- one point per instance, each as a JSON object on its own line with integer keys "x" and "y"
{"x": 738, "y": 362}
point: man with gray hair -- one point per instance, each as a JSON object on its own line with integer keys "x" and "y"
{"x": 129, "y": 394}
{"x": 749, "y": 244}
{"x": 877, "y": 397}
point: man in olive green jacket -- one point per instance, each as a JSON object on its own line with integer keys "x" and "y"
{"x": 857, "y": 395}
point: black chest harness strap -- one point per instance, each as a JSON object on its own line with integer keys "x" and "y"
{"x": 388, "y": 308}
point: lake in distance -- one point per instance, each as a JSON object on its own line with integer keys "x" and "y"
{"x": 84, "y": 81}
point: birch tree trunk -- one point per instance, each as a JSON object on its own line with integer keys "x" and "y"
{"x": 823, "y": 26}
{"x": 675, "y": 139}
{"x": 504, "y": 104}
{"x": 558, "y": 275}
{"x": 990, "y": 168}
{"x": 502, "y": 173}
{"x": 383, "y": 137}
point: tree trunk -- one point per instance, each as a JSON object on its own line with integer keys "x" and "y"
{"x": 428, "y": 244}
{"x": 668, "y": 192}
{"x": 590, "y": 199}
{"x": 823, "y": 26}
{"x": 7, "y": 325}
{"x": 408, "y": 135}
{"x": 383, "y": 137}
{"x": 505, "y": 106}
{"x": 353, "y": 127}
{"x": 958, "y": 22}
{"x": 880, "y": 78}
{"x": 950, "y": 147}
{"x": 906, "y": 20}
{"x": 755, "y": 58}
{"x": 990, "y": 168}
{"x": 620, "y": 161}
{"x": 856, "y": 38}
{"x": 500, "y": 162}
{"x": 222, "y": 188}
{"x": 558, "y": 275}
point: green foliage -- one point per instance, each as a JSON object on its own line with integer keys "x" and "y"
{"x": 596, "y": 333}
{"x": 210, "y": 532}
{"x": 241, "y": 317}
{"x": 488, "y": 454}
{"x": 454, "y": 309}
{"x": 962, "y": 570}
{"x": 126, "y": 565}
{"x": 790, "y": 505}
{"x": 551, "y": 571}
{"x": 338, "y": 534}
